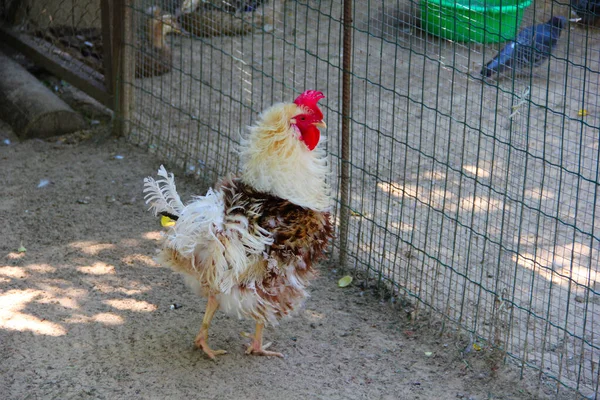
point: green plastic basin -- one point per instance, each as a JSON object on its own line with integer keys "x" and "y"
{"x": 475, "y": 21}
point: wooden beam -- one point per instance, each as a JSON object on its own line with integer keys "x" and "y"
{"x": 70, "y": 69}
{"x": 31, "y": 108}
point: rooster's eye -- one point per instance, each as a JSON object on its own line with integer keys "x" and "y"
{"x": 303, "y": 118}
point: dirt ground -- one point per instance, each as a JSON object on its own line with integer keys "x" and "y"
{"x": 85, "y": 312}
{"x": 478, "y": 198}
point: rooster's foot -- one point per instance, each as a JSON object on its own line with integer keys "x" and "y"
{"x": 200, "y": 343}
{"x": 256, "y": 348}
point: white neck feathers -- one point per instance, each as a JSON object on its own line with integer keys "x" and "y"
{"x": 276, "y": 161}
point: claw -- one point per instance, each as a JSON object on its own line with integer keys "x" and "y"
{"x": 200, "y": 343}
{"x": 256, "y": 347}
{"x": 260, "y": 351}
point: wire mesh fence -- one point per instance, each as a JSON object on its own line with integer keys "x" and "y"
{"x": 68, "y": 38}
{"x": 474, "y": 198}
{"x": 69, "y": 30}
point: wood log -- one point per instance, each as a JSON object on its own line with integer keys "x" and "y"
{"x": 30, "y": 107}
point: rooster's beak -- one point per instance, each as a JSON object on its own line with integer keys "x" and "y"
{"x": 320, "y": 124}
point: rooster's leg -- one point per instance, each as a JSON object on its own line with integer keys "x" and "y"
{"x": 257, "y": 348}
{"x": 202, "y": 338}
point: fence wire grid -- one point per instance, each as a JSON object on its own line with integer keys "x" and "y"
{"x": 69, "y": 30}
{"x": 477, "y": 200}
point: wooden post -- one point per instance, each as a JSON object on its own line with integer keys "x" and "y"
{"x": 128, "y": 66}
{"x": 106, "y": 20}
{"x": 123, "y": 64}
{"x": 346, "y": 109}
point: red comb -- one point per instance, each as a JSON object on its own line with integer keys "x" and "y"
{"x": 309, "y": 99}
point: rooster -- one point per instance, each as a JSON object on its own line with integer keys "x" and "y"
{"x": 250, "y": 244}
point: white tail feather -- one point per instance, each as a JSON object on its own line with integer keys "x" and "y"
{"x": 219, "y": 244}
{"x": 199, "y": 222}
{"x": 162, "y": 194}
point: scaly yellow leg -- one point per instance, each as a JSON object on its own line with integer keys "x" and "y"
{"x": 202, "y": 337}
{"x": 256, "y": 347}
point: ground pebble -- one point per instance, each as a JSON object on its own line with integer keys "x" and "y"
{"x": 43, "y": 183}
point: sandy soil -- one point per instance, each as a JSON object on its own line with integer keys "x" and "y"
{"x": 86, "y": 313}
{"x": 477, "y": 198}
{"x": 446, "y": 173}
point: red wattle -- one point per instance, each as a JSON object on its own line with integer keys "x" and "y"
{"x": 311, "y": 136}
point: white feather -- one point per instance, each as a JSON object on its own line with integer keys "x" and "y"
{"x": 200, "y": 221}
{"x": 162, "y": 194}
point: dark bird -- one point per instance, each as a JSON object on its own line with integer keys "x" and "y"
{"x": 587, "y": 10}
{"x": 532, "y": 47}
